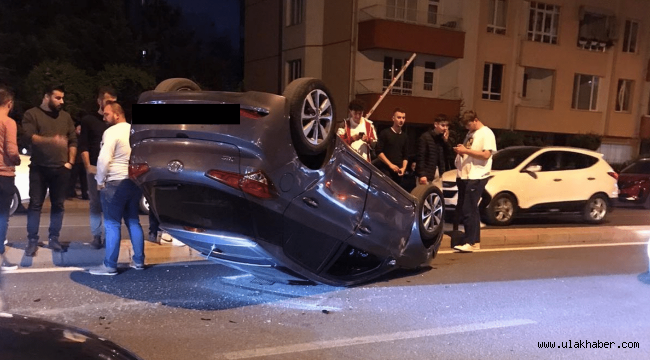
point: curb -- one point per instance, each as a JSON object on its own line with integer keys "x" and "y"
{"x": 540, "y": 237}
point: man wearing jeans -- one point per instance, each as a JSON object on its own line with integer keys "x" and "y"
{"x": 92, "y": 129}
{"x": 119, "y": 195}
{"x": 474, "y": 163}
{"x": 50, "y": 132}
{"x": 9, "y": 158}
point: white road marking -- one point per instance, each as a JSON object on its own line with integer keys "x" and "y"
{"x": 43, "y": 270}
{"x": 549, "y": 247}
{"x": 371, "y": 339}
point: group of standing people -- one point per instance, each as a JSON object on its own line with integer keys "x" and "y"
{"x": 473, "y": 158}
{"x": 103, "y": 143}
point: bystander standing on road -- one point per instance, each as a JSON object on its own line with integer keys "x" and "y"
{"x": 474, "y": 163}
{"x": 358, "y": 132}
{"x": 119, "y": 194}
{"x": 50, "y": 131}
{"x": 9, "y": 158}
{"x": 432, "y": 146}
{"x": 92, "y": 129}
{"x": 78, "y": 173}
{"x": 392, "y": 148}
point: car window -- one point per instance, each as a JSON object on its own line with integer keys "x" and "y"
{"x": 638, "y": 167}
{"x": 549, "y": 161}
{"x": 508, "y": 159}
{"x": 574, "y": 161}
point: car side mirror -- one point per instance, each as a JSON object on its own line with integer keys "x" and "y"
{"x": 532, "y": 170}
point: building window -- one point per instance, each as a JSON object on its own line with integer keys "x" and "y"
{"x": 405, "y": 10}
{"x": 623, "y": 95}
{"x": 294, "y": 70}
{"x": 629, "y": 37}
{"x": 537, "y": 88}
{"x": 432, "y": 12}
{"x": 492, "y": 78}
{"x": 392, "y": 66}
{"x": 429, "y": 67}
{"x": 595, "y": 30}
{"x": 296, "y": 8}
{"x": 497, "y": 17}
{"x": 543, "y": 22}
{"x": 585, "y": 92}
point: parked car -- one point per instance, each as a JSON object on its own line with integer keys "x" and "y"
{"x": 25, "y": 337}
{"x": 278, "y": 195}
{"x": 634, "y": 183}
{"x": 529, "y": 180}
{"x": 21, "y": 196}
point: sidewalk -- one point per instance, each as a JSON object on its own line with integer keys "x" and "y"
{"x": 82, "y": 255}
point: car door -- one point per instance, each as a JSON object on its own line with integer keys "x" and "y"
{"x": 546, "y": 186}
{"x": 318, "y": 220}
{"x": 578, "y": 182}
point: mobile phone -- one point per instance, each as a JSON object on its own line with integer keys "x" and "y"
{"x": 361, "y": 134}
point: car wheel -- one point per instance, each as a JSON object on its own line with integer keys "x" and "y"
{"x": 144, "y": 205}
{"x": 15, "y": 202}
{"x": 501, "y": 210}
{"x": 178, "y": 84}
{"x": 311, "y": 116}
{"x": 431, "y": 212}
{"x": 596, "y": 209}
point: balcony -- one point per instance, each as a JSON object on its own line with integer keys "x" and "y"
{"x": 413, "y": 96}
{"x": 390, "y": 28}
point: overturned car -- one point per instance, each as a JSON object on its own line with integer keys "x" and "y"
{"x": 278, "y": 195}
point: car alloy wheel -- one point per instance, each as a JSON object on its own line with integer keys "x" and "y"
{"x": 432, "y": 211}
{"x": 501, "y": 210}
{"x": 596, "y": 209}
{"x": 316, "y": 117}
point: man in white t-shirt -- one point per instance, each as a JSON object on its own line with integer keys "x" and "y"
{"x": 473, "y": 164}
{"x": 358, "y": 131}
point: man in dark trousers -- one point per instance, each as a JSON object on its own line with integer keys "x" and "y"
{"x": 432, "y": 146}
{"x": 50, "y": 132}
{"x": 392, "y": 148}
{"x": 92, "y": 129}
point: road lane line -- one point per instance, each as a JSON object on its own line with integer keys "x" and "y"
{"x": 371, "y": 339}
{"x": 43, "y": 270}
{"x": 549, "y": 247}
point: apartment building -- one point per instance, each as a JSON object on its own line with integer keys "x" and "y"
{"x": 553, "y": 67}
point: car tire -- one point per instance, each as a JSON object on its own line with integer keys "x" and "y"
{"x": 177, "y": 84}
{"x": 501, "y": 210}
{"x": 144, "y": 205}
{"x": 310, "y": 106}
{"x": 596, "y": 209}
{"x": 15, "y": 202}
{"x": 430, "y": 213}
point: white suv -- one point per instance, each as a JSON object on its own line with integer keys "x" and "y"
{"x": 528, "y": 180}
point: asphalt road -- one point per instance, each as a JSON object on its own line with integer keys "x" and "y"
{"x": 487, "y": 305}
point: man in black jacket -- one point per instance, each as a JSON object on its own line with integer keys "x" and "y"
{"x": 432, "y": 146}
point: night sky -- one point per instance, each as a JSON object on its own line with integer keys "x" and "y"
{"x": 212, "y": 16}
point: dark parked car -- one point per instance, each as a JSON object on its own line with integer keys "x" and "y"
{"x": 634, "y": 183}
{"x": 278, "y": 195}
{"x": 27, "y": 338}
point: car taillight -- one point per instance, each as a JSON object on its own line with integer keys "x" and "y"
{"x": 256, "y": 184}
{"x": 135, "y": 170}
{"x": 613, "y": 174}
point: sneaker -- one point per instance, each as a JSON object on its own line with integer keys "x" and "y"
{"x": 153, "y": 237}
{"x": 103, "y": 270}
{"x": 468, "y": 247}
{"x": 55, "y": 245}
{"x": 7, "y": 265}
{"x": 32, "y": 246}
{"x": 166, "y": 237}
{"x": 137, "y": 266}
{"x": 97, "y": 242}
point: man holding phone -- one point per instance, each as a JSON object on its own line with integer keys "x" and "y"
{"x": 432, "y": 146}
{"x": 474, "y": 163}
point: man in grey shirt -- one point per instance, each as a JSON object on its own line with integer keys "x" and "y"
{"x": 51, "y": 133}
